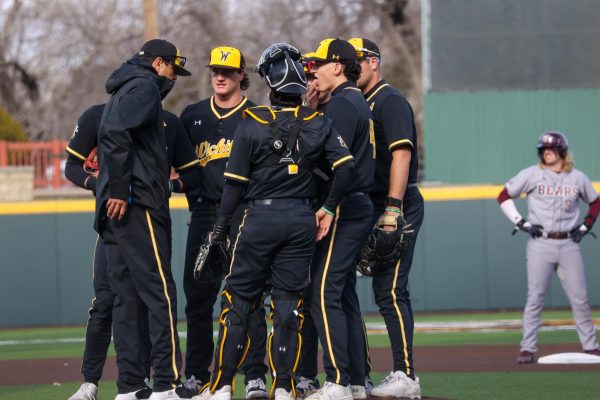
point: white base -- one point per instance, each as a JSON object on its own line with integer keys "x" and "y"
{"x": 569, "y": 358}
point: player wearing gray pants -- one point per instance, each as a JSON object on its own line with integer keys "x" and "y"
{"x": 553, "y": 189}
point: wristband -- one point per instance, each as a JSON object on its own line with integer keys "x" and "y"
{"x": 327, "y": 211}
{"x": 394, "y": 210}
{"x": 394, "y": 202}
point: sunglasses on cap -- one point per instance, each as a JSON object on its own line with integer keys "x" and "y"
{"x": 176, "y": 60}
{"x": 312, "y": 65}
{"x": 366, "y": 53}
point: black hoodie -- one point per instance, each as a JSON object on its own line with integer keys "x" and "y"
{"x": 132, "y": 152}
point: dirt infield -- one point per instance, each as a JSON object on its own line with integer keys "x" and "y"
{"x": 427, "y": 359}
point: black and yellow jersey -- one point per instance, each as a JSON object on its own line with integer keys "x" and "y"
{"x": 261, "y": 158}
{"x": 211, "y": 131}
{"x": 395, "y": 128}
{"x": 351, "y": 118}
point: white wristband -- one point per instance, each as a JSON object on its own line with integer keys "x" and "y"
{"x": 510, "y": 210}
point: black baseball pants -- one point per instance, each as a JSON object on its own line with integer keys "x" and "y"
{"x": 138, "y": 254}
{"x": 390, "y": 285}
{"x": 335, "y": 308}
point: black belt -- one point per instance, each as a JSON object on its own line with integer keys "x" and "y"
{"x": 268, "y": 202}
{"x": 557, "y": 235}
{"x": 204, "y": 200}
{"x": 355, "y": 194}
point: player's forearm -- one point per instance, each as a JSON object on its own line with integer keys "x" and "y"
{"x": 189, "y": 179}
{"x": 592, "y": 214}
{"x": 341, "y": 179}
{"x": 231, "y": 197}
{"x": 508, "y": 207}
{"x": 75, "y": 173}
{"x": 399, "y": 173}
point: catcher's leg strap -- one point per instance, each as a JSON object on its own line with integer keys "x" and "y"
{"x": 285, "y": 342}
{"x": 233, "y": 341}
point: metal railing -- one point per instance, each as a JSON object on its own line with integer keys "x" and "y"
{"x": 47, "y": 158}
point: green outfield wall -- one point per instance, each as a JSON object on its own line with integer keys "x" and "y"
{"x": 465, "y": 259}
{"x": 488, "y": 136}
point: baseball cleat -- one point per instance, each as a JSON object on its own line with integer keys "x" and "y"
{"x": 397, "y": 384}
{"x": 525, "y": 357}
{"x": 332, "y": 391}
{"x": 141, "y": 394}
{"x": 358, "y": 392}
{"x": 282, "y": 394}
{"x": 256, "y": 389}
{"x": 87, "y": 391}
{"x": 305, "y": 387}
{"x": 223, "y": 393}
{"x": 595, "y": 352}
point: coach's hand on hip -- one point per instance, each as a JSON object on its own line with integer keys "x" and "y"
{"x": 116, "y": 208}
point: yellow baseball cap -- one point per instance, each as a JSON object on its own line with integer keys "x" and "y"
{"x": 365, "y": 47}
{"x": 335, "y": 50}
{"x": 226, "y": 57}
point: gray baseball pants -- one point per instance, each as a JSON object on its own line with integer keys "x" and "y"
{"x": 544, "y": 256}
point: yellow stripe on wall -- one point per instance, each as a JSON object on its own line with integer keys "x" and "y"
{"x": 179, "y": 202}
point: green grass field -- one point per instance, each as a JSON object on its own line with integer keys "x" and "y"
{"x": 42, "y": 343}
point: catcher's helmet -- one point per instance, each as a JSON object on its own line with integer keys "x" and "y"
{"x": 553, "y": 140}
{"x": 280, "y": 66}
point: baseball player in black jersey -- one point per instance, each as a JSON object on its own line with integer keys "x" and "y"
{"x": 211, "y": 124}
{"x": 394, "y": 193}
{"x": 82, "y": 169}
{"x": 314, "y": 98}
{"x": 275, "y": 149}
{"x": 334, "y": 302}
{"x": 132, "y": 216}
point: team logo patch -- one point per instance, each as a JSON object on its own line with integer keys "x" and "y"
{"x": 224, "y": 55}
{"x": 75, "y": 131}
{"x": 278, "y": 144}
{"x": 208, "y": 152}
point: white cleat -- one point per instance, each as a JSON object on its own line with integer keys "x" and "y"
{"x": 87, "y": 391}
{"x": 397, "y": 384}
{"x": 282, "y": 394}
{"x": 256, "y": 389}
{"x": 221, "y": 394}
{"x": 358, "y": 392}
{"x": 332, "y": 391}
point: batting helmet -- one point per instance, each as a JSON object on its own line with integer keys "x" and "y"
{"x": 281, "y": 68}
{"x": 553, "y": 140}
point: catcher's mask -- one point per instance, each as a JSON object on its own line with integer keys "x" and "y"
{"x": 280, "y": 67}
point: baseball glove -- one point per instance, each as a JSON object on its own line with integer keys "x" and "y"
{"x": 213, "y": 259}
{"x": 384, "y": 247}
{"x": 90, "y": 164}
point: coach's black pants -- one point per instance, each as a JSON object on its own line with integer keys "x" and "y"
{"x": 334, "y": 306}
{"x": 201, "y": 297}
{"x": 390, "y": 285}
{"x": 138, "y": 252}
{"x": 99, "y": 327}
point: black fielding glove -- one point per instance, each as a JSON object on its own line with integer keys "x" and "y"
{"x": 534, "y": 230}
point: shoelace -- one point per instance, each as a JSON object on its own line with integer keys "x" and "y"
{"x": 305, "y": 384}
{"x": 256, "y": 384}
{"x": 192, "y": 383}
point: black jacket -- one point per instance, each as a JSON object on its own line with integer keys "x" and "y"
{"x": 132, "y": 152}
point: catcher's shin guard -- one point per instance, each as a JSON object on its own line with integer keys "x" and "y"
{"x": 233, "y": 341}
{"x": 285, "y": 341}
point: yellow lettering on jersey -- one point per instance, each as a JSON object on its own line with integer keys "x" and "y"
{"x": 372, "y": 136}
{"x": 208, "y": 152}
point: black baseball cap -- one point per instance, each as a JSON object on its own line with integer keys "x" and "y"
{"x": 335, "y": 50}
{"x": 167, "y": 50}
{"x": 365, "y": 47}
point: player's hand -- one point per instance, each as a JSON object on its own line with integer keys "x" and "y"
{"x": 116, "y": 208}
{"x": 324, "y": 221}
{"x": 312, "y": 95}
{"x": 579, "y": 232}
{"x": 389, "y": 228}
{"x": 535, "y": 231}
